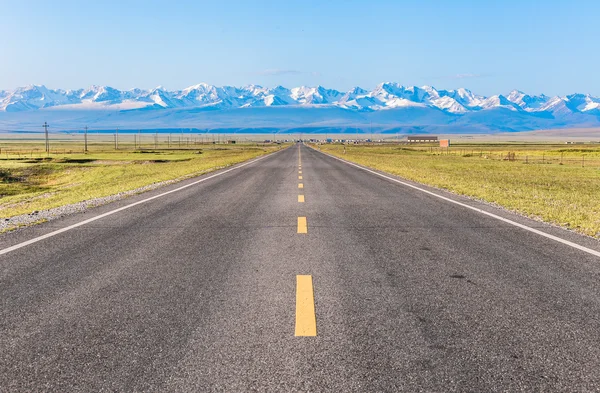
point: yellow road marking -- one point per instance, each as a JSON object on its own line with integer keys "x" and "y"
{"x": 300, "y": 172}
{"x": 306, "y": 321}
{"x": 299, "y": 177}
{"x": 300, "y": 185}
{"x": 302, "y": 226}
{"x": 301, "y": 198}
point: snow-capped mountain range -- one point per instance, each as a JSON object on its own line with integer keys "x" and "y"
{"x": 384, "y": 96}
{"x": 390, "y": 103}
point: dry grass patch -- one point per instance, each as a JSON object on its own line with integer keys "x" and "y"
{"x": 27, "y": 185}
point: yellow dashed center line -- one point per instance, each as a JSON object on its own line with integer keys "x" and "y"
{"x": 306, "y": 321}
{"x": 302, "y": 226}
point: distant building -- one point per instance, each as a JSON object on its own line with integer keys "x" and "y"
{"x": 422, "y": 139}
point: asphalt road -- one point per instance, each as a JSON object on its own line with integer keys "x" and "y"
{"x": 196, "y": 291}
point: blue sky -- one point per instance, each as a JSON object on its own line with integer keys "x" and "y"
{"x": 550, "y": 47}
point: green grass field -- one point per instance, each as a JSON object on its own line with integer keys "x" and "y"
{"x": 555, "y": 183}
{"x": 32, "y": 180}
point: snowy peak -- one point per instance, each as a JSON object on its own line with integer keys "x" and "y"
{"x": 200, "y": 94}
{"x": 449, "y": 104}
{"x": 162, "y": 98}
{"x": 33, "y": 97}
{"x": 582, "y": 103}
{"x": 102, "y": 94}
{"x": 499, "y": 101}
{"x": 352, "y": 95}
{"x": 315, "y": 95}
{"x": 388, "y": 90}
{"x": 464, "y": 97}
{"x": 515, "y": 96}
{"x": 527, "y": 102}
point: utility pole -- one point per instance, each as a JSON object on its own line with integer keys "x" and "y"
{"x": 117, "y": 140}
{"x": 85, "y": 139}
{"x": 47, "y": 141}
{"x": 155, "y": 140}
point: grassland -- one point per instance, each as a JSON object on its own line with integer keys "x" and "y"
{"x": 32, "y": 180}
{"x": 559, "y": 184}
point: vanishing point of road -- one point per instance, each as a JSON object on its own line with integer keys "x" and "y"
{"x": 298, "y": 272}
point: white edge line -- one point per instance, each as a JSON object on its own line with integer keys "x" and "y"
{"x": 59, "y": 231}
{"x": 506, "y": 220}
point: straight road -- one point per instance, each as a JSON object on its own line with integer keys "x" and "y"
{"x": 297, "y": 272}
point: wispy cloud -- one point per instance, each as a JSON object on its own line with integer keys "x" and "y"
{"x": 278, "y": 72}
{"x": 460, "y": 76}
{"x": 467, "y": 76}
